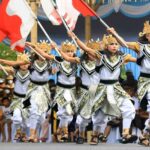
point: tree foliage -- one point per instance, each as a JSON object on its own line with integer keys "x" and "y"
{"x": 6, "y": 53}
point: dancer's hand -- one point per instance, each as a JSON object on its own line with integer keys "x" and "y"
{"x": 111, "y": 31}
{"x": 30, "y": 44}
{"x": 77, "y": 59}
{"x": 71, "y": 34}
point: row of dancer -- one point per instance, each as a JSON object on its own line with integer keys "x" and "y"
{"x": 97, "y": 96}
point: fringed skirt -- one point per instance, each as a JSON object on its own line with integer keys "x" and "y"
{"x": 17, "y": 103}
{"x": 143, "y": 87}
{"x": 108, "y": 98}
{"x": 84, "y": 101}
{"x": 39, "y": 97}
{"x": 65, "y": 99}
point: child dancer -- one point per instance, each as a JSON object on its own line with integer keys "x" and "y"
{"x": 89, "y": 79}
{"x": 22, "y": 80}
{"x": 66, "y": 89}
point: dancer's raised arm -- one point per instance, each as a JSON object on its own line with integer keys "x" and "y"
{"x": 84, "y": 47}
{"x": 65, "y": 50}
{"x": 43, "y": 49}
{"x": 131, "y": 45}
{"x": 22, "y": 59}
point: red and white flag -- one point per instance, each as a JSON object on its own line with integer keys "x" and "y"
{"x": 69, "y": 13}
{"x": 70, "y": 10}
{"x": 65, "y": 9}
{"x": 50, "y": 12}
{"x": 16, "y": 22}
{"x": 83, "y": 8}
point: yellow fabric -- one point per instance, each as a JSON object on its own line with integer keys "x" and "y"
{"x": 134, "y": 45}
{"x": 127, "y": 58}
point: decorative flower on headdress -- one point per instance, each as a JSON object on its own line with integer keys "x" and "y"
{"x": 22, "y": 57}
{"x": 44, "y": 45}
{"x": 94, "y": 44}
{"x": 67, "y": 45}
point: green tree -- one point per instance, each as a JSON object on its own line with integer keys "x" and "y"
{"x": 6, "y": 53}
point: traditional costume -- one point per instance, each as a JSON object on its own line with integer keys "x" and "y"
{"x": 110, "y": 98}
{"x": 143, "y": 60}
{"x": 38, "y": 91}
{"x": 65, "y": 91}
{"x": 89, "y": 78}
{"x": 20, "y": 115}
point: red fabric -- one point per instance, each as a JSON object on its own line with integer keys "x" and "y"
{"x": 9, "y": 25}
{"x": 83, "y": 8}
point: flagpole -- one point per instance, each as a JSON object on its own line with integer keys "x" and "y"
{"x": 105, "y": 24}
{"x": 42, "y": 28}
{"x": 115, "y": 33}
{"x": 64, "y": 22}
{"x": 4, "y": 70}
{"x": 36, "y": 52}
{"x": 67, "y": 28}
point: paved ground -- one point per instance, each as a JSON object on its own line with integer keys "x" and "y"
{"x": 47, "y": 146}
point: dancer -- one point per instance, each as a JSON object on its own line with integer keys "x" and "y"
{"x": 22, "y": 80}
{"x": 89, "y": 78}
{"x": 142, "y": 48}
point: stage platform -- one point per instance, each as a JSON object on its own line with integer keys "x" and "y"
{"x": 69, "y": 146}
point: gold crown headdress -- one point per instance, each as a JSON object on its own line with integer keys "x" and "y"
{"x": 94, "y": 44}
{"x": 107, "y": 40}
{"x": 146, "y": 29}
{"x": 44, "y": 45}
{"x": 67, "y": 45}
{"x": 22, "y": 57}
{"x": 10, "y": 77}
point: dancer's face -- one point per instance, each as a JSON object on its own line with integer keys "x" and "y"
{"x": 148, "y": 37}
{"x": 69, "y": 53}
{"x": 24, "y": 67}
{"x": 113, "y": 47}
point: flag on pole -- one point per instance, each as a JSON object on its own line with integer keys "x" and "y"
{"x": 64, "y": 8}
{"x": 68, "y": 11}
{"x": 16, "y": 22}
{"x": 50, "y": 12}
{"x": 83, "y": 8}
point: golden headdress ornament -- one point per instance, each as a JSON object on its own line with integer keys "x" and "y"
{"x": 22, "y": 57}
{"x": 44, "y": 45}
{"x": 107, "y": 40}
{"x": 146, "y": 29}
{"x": 67, "y": 45}
{"x": 94, "y": 44}
{"x": 10, "y": 83}
{"x": 10, "y": 77}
